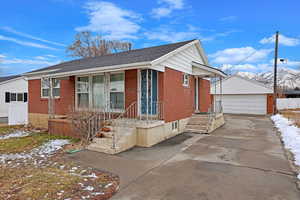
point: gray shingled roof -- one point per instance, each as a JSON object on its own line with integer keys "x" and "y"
{"x": 127, "y": 57}
{"x": 7, "y": 78}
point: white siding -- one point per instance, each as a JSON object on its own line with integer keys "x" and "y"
{"x": 244, "y": 104}
{"x": 182, "y": 61}
{"x": 14, "y": 86}
{"x": 238, "y": 85}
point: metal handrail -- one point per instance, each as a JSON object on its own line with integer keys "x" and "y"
{"x": 130, "y": 117}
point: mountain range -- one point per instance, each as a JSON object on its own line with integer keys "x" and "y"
{"x": 287, "y": 78}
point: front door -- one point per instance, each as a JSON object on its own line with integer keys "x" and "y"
{"x": 148, "y": 97}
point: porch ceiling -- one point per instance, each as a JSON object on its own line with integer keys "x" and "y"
{"x": 206, "y": 71}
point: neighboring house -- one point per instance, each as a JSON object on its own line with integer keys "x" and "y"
{"x": 13, "y": 100}
{"x": 243, "y": 96}
{"x": 155, "y": 90}
{"x": 291, "y": 93}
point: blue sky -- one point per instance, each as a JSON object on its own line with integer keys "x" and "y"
{"x": 235, "y": 34}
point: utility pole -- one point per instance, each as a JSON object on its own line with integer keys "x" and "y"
{"x": 275, "y": 74}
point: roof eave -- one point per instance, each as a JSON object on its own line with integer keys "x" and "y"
{"x": 213, "y": 71}
{"x": 92, "y": 70}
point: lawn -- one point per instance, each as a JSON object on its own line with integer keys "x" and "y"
{"x": 293, "y": 115}
{"x": 5, "y": 130}
{"x": 46, "y": 174}
{"x": 23, "y": 144}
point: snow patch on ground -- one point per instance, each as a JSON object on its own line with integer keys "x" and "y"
{"x": 290, "y": 135}
{"x": 15, "y": 135}
{"x": 43, "y": 151}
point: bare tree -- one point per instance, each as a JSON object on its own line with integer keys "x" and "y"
{"x": 88, "y": 45}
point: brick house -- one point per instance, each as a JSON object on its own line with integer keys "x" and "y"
{"x": 156, "y": 90}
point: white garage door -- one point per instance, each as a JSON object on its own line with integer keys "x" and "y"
{"x": 244, "y": 104}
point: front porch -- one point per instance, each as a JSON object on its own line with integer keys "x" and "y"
{"x": 136, "y": 107}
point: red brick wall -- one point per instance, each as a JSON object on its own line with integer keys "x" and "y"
{"x": 269, "y": 103}
{"x": 204, "y": 95}
{"x": 62, "y": 127}
{"x": 36, "y": 104}
{"x": 131, "y": 87}
{"x": 178, "y": 100}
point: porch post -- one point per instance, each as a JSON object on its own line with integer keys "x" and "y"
{"x": 197, "y": 94}
{"x": 147, "y": 93}
{"x": 215, "y": 99}
{"x": 221, "y": 94}
{"x": 51, "y": 109}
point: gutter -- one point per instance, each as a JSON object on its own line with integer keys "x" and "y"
{"x": 90, "y": 70}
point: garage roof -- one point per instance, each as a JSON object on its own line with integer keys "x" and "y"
{"x": 239, "y": 85}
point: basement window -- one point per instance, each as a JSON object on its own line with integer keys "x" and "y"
{"x": 186, "y": 79}
{"x": 175, "y": 125}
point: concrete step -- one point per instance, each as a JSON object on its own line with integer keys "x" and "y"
{"x": 200, "y": 127}
{"x": 200, "y": 116}
{"x": 195, "y": 131}
{"x": 198, "y": 121}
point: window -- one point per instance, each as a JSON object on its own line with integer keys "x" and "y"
{"x": 7, "y": 97}
{"x": 20, "y": 97}
{"x": 186, "y": 80}
{"x": 45, "y": 87}
{"x": 117, "y": 91}
{"x": 100, "y": 91}
{"x": 175, "y": 126}
{"x": 82, "y": 90}
{"x": 13, "y": 97}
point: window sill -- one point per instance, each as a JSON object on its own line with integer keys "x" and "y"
{"x": 46, "y": 98}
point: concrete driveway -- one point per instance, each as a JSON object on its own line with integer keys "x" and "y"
{"x": 242, "y": 160}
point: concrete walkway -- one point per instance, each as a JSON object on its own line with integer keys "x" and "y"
{"x": 242, "y": 160}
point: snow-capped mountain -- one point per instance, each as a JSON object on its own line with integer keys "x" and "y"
{"x": 287, "y": 78}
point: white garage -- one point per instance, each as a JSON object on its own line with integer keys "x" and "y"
{"x": 243, "y": 96}
{"x": 13, "y": 100}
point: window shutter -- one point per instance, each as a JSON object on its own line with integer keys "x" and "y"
{"x": 25, "y": 97}
{"x": 7, "y": 97}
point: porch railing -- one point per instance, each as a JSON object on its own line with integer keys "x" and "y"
{"x": 131, "y": 117}
{"x": 218, "y": 107}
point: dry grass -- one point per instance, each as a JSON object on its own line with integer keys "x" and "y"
{"x": 293, "y": 115}
{"x": 5, "y": 130}
{"x": 35, "y": 183}
{"x": 53, "y": 178}
{"x": 18, "y": 145}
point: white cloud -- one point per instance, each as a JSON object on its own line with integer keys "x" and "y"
{"x": 284, "y": 40}
{"x": 28, "y": 62}
{"x": 11, "y": 30}
{"x": 25, "y": 43}
{"x": 228, "y": 18}
{"x": 40, "y": 58}
{"x": 218, "y": 35}
{"x": 236, "y": 55}
{"x": 167, "y": 8}
{"x": 287, "y": 63}
{"x": 2, "y": 56}
{"x": 111, "y": 21}
{"x": 51, "y": 56}
{"x": 238, "y": 67}
{"x": 167, "y": 35}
